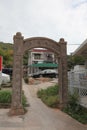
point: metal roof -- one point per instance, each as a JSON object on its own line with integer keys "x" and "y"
{"x": 82, "y": 50}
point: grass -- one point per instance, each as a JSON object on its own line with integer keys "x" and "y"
{"x": 79, "y": 113}
{"x": 75, "y": 110}
{"x": 50, "y": 97}
{"x": 6, "y": 96}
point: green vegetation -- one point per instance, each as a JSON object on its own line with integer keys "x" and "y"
{"x": 49, "y": 96}
{"x": 6, "y": 51}
{"x": 6, "y": 96}
{"x": 25, "y": 58}
{"x": 26, "y": 79}
{"x": 6, "y": 85}
{"x": 75, "y": 110}
{"x": 24, "y": 100}
{"x": 75, "y": 60}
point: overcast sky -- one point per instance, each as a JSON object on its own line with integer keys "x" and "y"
{"x": 47, "y": 18}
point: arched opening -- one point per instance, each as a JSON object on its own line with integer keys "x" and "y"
{"x": 40, "y": 59}
{"x": 20, "y": 46}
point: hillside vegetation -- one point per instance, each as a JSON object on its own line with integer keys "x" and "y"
{"x": 6, "y": 50}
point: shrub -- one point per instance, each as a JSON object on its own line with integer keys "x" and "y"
{"x": 53, "y": 90}
{"x": 6, "y": 85}
{"x": 26, "y": 79}
{"x": 41, "y": 93}
{"x": 73, "y": 100}
{"x": 6, "y": 96}
{"x": 24, "y": 100}
{"x": 75, "y": 110}
{"x": 51, "y": 101}
{"x": 49, "y": 96}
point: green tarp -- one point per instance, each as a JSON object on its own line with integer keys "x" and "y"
{"x": 48, "y": 65}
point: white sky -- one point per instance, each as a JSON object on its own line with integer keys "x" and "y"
{"x": 47, "y": 18}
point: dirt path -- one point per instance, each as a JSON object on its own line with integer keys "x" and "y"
{"x": 39, "y": 116}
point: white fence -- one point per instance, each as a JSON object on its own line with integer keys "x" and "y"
{"x": 77, "y": 81}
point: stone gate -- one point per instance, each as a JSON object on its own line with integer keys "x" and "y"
{"x": 20, "y": 46}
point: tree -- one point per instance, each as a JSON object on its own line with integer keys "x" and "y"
{"x": 75, "y": 60}
{"x": 6, "y": 51}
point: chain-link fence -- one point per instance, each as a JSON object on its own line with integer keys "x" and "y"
{"x": 78, "y": 82}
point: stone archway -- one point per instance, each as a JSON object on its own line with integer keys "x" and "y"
{"x": 20, "y": 46}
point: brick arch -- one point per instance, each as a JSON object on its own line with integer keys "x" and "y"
{"x": 20, "y": 46}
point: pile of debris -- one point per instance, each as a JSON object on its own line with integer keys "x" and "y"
{"x": 38, "y": 80}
